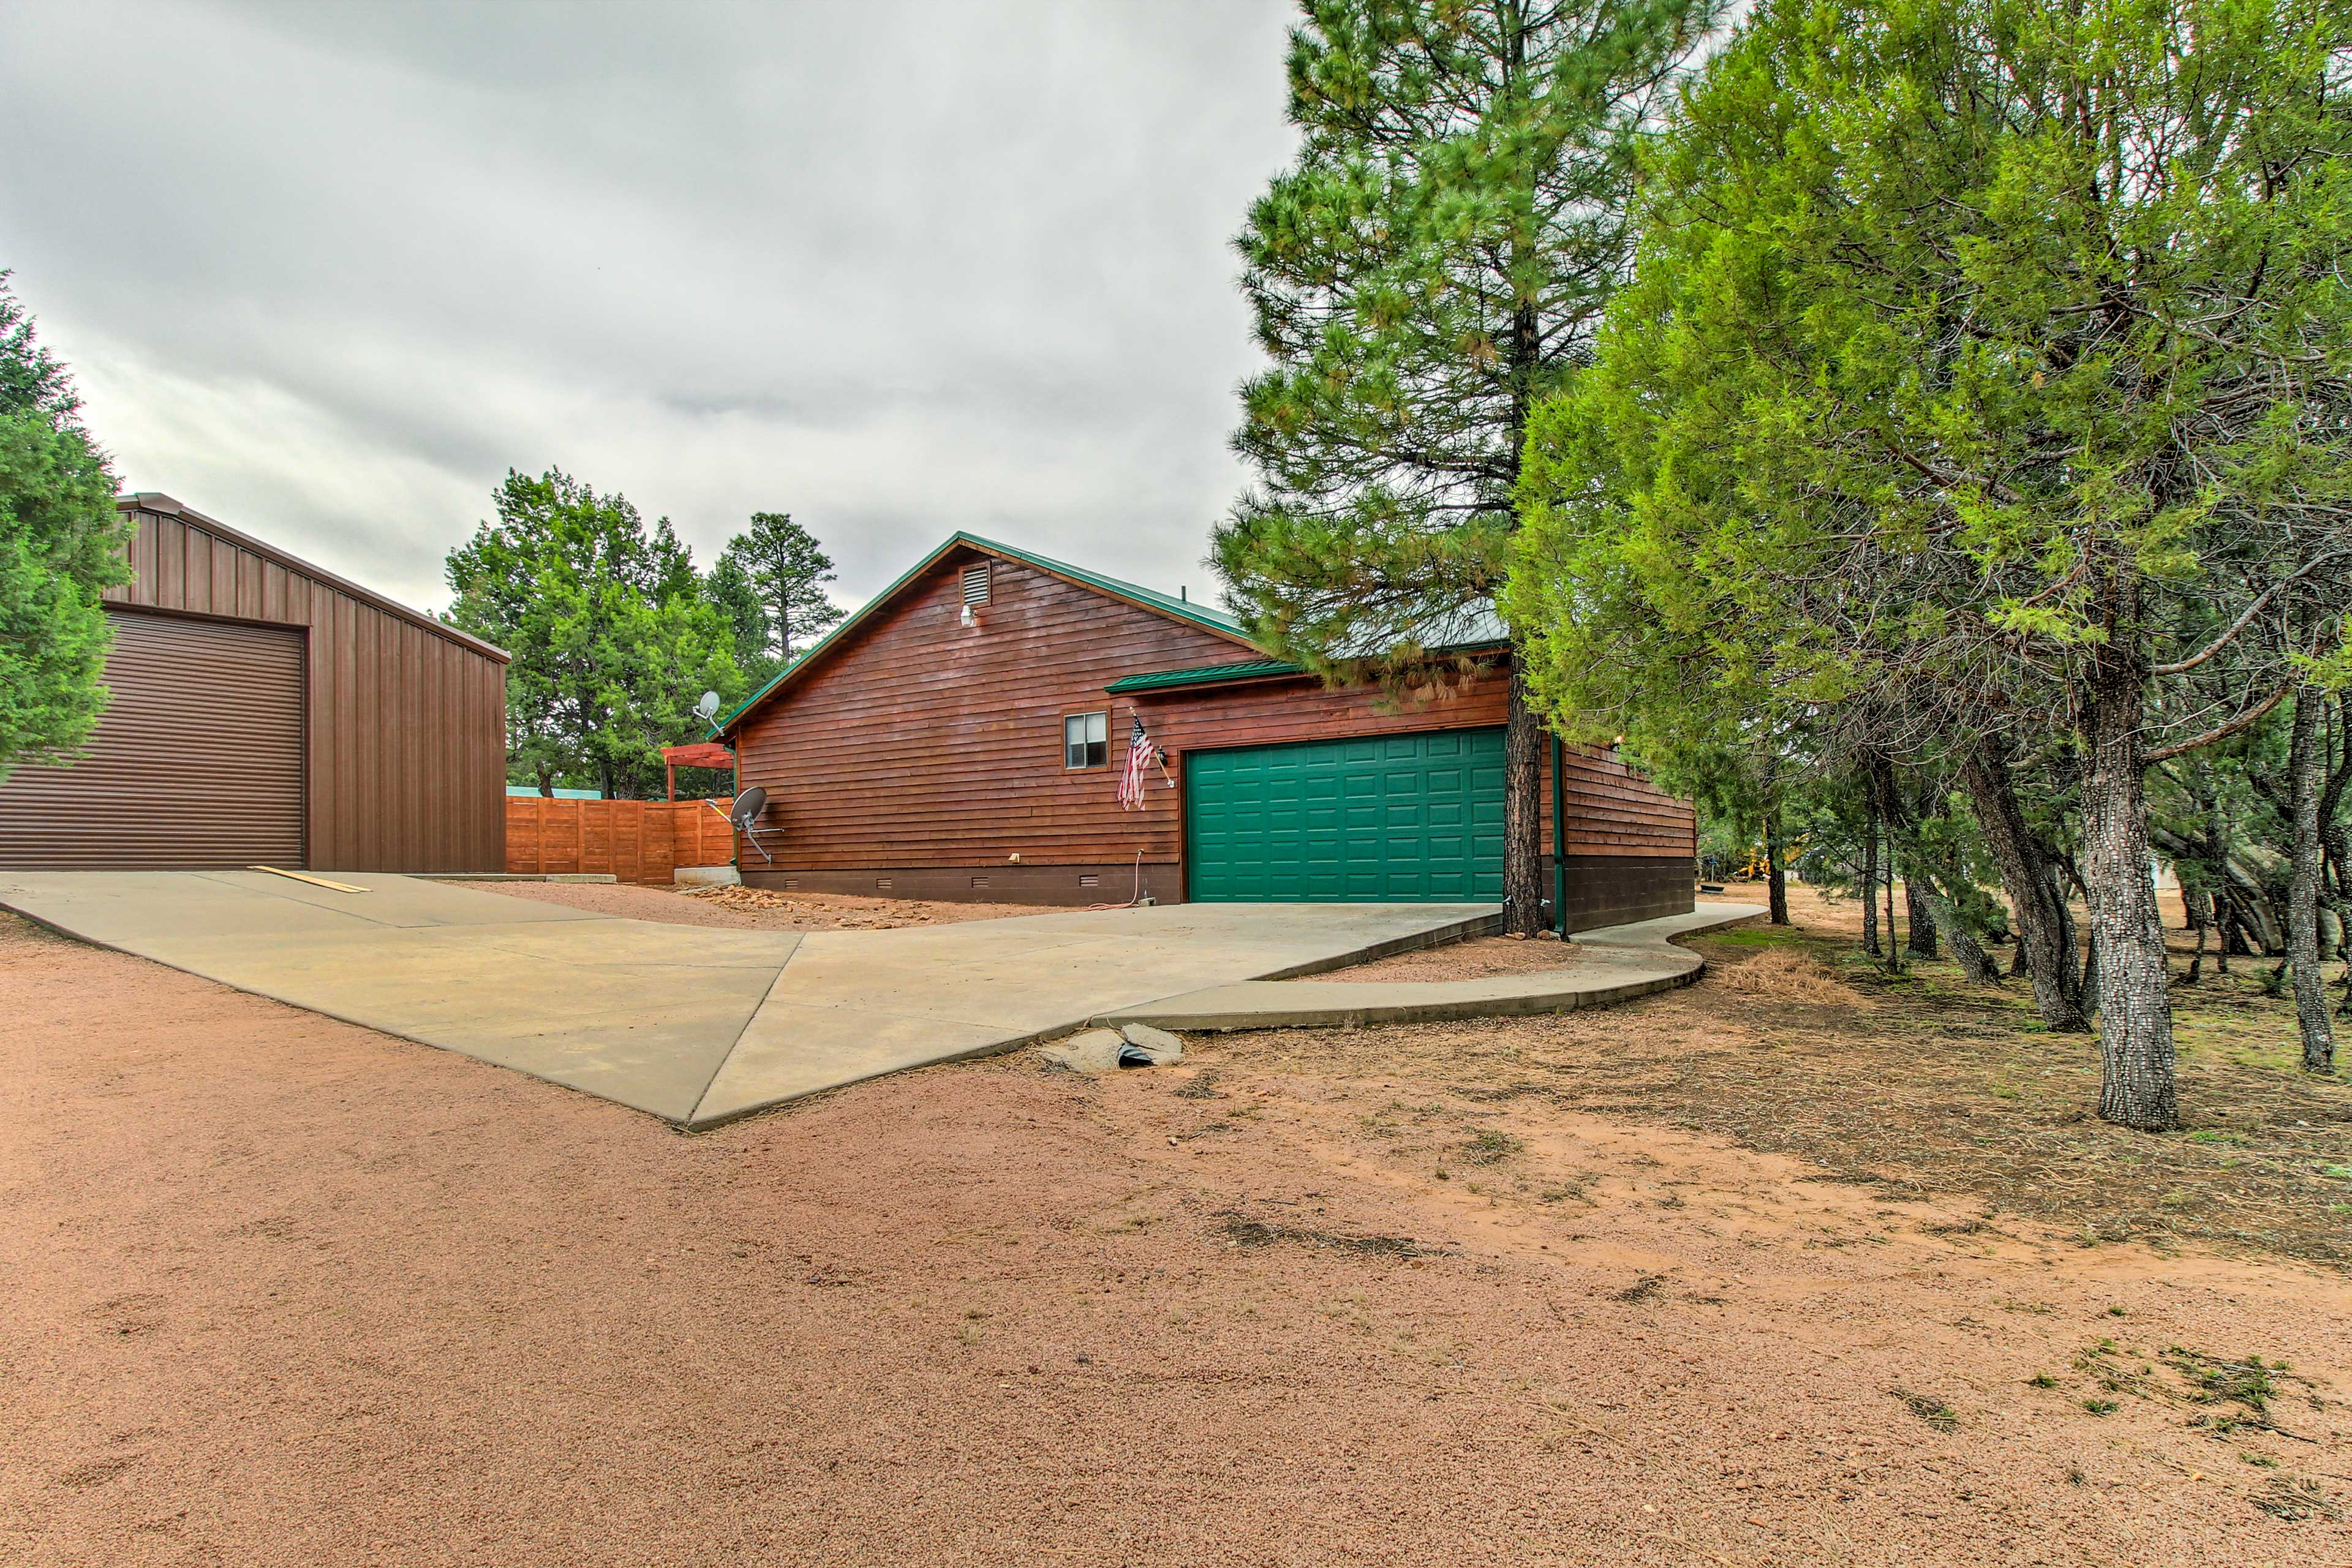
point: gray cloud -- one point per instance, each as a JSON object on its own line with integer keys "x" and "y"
{"x": 327, "y": 271}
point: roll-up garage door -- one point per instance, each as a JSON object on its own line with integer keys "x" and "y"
{"x": 197, "y": 763}
{"x": 1384, "y": 818}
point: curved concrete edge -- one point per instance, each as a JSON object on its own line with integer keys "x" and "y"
{"x": 1436, "y": 936}
{"x": 1642, "y": 958}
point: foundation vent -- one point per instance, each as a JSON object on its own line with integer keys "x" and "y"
{"x": 1088, "y": 879}
{"x": 792, "y": 884}
{"x": 979, "y": 881}
{"x": 881, "y": 884}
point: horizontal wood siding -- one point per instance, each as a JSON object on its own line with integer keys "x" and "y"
{"x": 1612, "y": 809}
{"x": 406, "y": 722}
{"x": 922, "y": 741}
{"x": 631, "y": 840}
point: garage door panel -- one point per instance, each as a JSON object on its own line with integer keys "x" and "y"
{"x": 1376, "y": 819}
{"x": 198, "y": 763}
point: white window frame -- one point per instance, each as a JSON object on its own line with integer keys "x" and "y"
{"x": 1081, "y": 733}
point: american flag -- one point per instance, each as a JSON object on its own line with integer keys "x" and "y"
{"x": 1140, "y": 756}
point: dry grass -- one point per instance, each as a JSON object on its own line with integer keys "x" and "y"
{"x": 1924, "y": 1086}
{"x": 1786, "y": 975}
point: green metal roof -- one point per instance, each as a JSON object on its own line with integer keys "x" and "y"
{"x": 1206, "y": 674}
{"x": 1182, "y": 609}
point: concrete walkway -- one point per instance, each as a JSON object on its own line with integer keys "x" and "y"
{"x": 696, "y": 1025}
{"x": 1617, "y": 963}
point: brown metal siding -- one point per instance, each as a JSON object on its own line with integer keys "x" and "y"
{"x": 405, "y": 718}
{"x": 197, "y": 763}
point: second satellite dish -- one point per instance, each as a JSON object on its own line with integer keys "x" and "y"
{"x": 748, "y": 807}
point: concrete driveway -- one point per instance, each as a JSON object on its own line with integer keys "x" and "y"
{"x": 694, "y": 1025}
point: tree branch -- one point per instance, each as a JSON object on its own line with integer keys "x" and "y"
{"x": 2224, "y": 732}
{"x": 2230, "y": 633}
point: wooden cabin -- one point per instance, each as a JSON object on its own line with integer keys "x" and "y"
{"x": 964, "y": 734}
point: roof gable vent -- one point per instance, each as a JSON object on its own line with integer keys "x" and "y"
{"x": 975, "y": 583}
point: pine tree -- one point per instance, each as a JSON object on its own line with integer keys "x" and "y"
{"x": 731, "y": 591}
{"x": 1420, "y": 277}
{"x": 60, "y": 545}
{"x": 788, "y": 571}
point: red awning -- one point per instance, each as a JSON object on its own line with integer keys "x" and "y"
{"x": 706, "y": 754}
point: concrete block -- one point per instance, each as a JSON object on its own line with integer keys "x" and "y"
{"x": 1097, "y": 1050}
{"x": 1164, "y": 1048}
{"x": 707, "y": 877}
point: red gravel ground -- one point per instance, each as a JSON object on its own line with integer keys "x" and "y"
{"x": 752, "y": 908}
{"x": 1476, "y": 959}
{"x": 279, "y": 1291}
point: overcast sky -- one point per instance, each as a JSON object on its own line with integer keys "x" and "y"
{"x": 328, "y": 271}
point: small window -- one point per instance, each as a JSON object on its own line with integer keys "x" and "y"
{"x": 1086, "y": 741}
{"x": 975, "y": 584}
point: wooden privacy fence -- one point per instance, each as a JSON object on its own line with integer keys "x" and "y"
{"x": 635, "y": 841}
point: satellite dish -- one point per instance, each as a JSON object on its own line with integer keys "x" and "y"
{"x": 708, "y": 706}
{"x": 746, "y": 812}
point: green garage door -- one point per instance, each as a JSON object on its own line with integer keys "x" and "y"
{"x": 1388, "y": 818}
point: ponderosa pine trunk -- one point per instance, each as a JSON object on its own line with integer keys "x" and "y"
{"x": 2335, "y": 846}
{"x": 1523, "y": 889}
{"x": 2305, "y": 782}
{"x": 2217, "y": 864}
{"x": 2136, "y": 1087}
{"x": 1776, "y": 874}
{"x": 1893, "y": 936}
{"x": 1870, "y": 882}
{"x": 1924, "y": 925}
{"x": 2044, "y": 932}
{"x": 2198, "y": 905}
{"x": 1976, "y": 966}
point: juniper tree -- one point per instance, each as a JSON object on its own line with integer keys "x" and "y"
{"x": 1419, "y": 276}
{"x": 1990, "y": 352}
{"x": 603, "y": 614}
{"x": 60, "y": 546}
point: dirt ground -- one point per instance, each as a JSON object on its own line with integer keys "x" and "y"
{"x": 1581, "y": 1290}
{"x": 753, "y": 909}
{"x": 1472, "y": 959}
